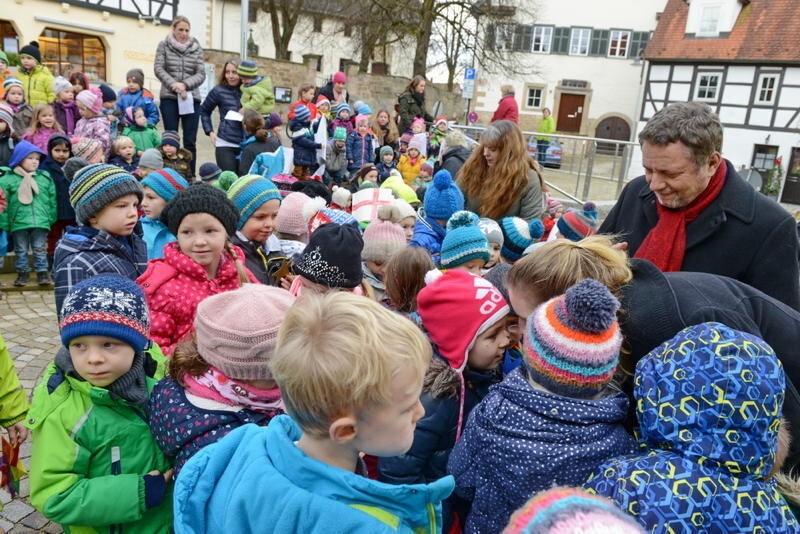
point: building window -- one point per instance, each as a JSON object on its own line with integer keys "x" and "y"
{"x": 764, "y": 158}
{"x": 504, "y": 38}
{"x": 348, "y": 30}
{"x": 343, "y": 63}
{"x": 8, "y": 38}
{"x": 579, "y": 41}
{"x": 317, "y": 24}
{"x": 66, "y": 52}
{"x": 252, "y": 12}
{"x": 542, "y": 39}
{"x": 767, "y": 87}
{"x": 533, "y": 98}
{"x": 618, "y": 43}
{"x": 709, "y": 20}
{"x": 707, "y": 87}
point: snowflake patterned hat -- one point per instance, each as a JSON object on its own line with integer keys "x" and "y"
{"x": 106, "y": 305}
{"x": 572, "y": 341}
{"x": 332, "y": 257}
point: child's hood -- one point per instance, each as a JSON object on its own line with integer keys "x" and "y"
{"x": 22, "y": 151}
{"x": 713, "y": 395}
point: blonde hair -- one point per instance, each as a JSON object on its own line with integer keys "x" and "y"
{"x": 177, "y": 20}
{"x": 336, "y": 355}
{"x": 788, "y": 484}
{"x": 119, "y": 141}
{"x": 36, "y": 125}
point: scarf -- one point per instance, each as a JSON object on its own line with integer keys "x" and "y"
{"x": 177, "y": 45}
{"x": 130, "y": 387}
{"x": 70, "y": 112}
{"x": 214, "y": 385}
{"x": 419, "y": 98}
{"x": 27, "y": 188}
{"x": 665, "y": 244}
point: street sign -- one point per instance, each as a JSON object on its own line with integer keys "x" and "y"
{"x": 469, "y": 73}
{"x": 468, "y": 88}
{"x": 472, "y": 117}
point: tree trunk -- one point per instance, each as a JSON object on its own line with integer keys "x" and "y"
{"x": 283, "y": 15}
{"x": 424, "y": 37}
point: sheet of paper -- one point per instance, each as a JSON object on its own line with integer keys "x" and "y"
{"x": 288, "y": 160}
{"x": 186, "y": 105}
{"x": 321, "y": 137}
{"x": 232, "y": 115}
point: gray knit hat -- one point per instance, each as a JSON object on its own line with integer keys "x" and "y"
{"x": 492, "y": 231}
{"x": 151, "y": 159}
{"x": 73, "y": 165}
{"x": 96, "y": 186}
{"x": 137, "y": 75}
{"x": 59, "y": 84}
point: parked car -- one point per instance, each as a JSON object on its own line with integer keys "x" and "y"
{"x": 553, "y": 156}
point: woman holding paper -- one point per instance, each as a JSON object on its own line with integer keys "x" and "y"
{"x": 179, "y": 67}
{"x": 226, "y": 98}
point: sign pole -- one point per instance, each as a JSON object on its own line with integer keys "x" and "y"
{"x": 245, "y": 19}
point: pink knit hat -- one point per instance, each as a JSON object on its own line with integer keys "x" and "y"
{"x": 237, "y": 330}
{"x": 382, "y": 238}
{"x": 339, "y": 77}
{"x": 290, "y": 215}
{"x": 92, "y": 99}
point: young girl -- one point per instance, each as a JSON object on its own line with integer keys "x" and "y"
{"x": 342, "y": 114}
{"x": 160, "y": 187}
{"x": 411, "y": 161}
{"x": 323, "y": 107}
{"x": 360, "y": 145}
{"x": 290, "y": 225}
{"x": 554, "y": 212}
{"x": 425, "y": 175}
{"x": 220, "y": 378}
{"x": 6, "y": 133}
{"x": 79, "y": 82}
{"x": 332, "y": 259}
{"x": 143, "y": 134}
{"x": 367, "y": 173}
{"x": 440, "y": 129}
{"x": 125, "y": 154}
{"x": 43, "y": 126}
{"x": 202, "y": 262}
{"x": 306, "y": 94}
{"x": 93, "y": 124}
{"x": 14, "y": 96}
{"x": 89, "y": 149}
{"x": 64, "y": 105}
{"x": 404, "y": 278}
{"x": 382, "y": 240}
{"x": 385, "y": 131}
{"x": 59, "y": 150}
{"x": 258, "y": 140}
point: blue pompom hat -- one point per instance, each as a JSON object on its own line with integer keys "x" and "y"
{"x": 249, "y": 193}
{"x": 443, "y": 198}
{"x": 519, "y": 235}
{"x": 165, "y": 183}
{"x": 464, "y": 241}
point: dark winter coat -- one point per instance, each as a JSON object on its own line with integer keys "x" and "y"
{"x": 507, "y": 110}
{"x": 257, "y": 255}
{"x": 67, "y": 115}
{"x": 520, "y": 441}
{"x": 303, "y": 142}
{"x": 181, "y": 163}
{"x": 6, "y": 149}
{"x": 187, "y": 67}
{"x": 64, "y": 210}
{"x": 327, "y": 90}
{"x": 224, "y": 99}
{"x": 410, "y": 109}
{"x": 384, "y": 169}
{"x": 453, "y": 159}
{"x": 122, "y": 164}
{"x": 140, "y": 99}
{"x": 252, "y": 148}
{"x": 360, "y": 150}
{"x": 742, "y": 234}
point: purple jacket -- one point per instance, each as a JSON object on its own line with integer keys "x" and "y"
{"x": 67, "y": 116}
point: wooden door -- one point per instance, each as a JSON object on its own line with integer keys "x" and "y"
{"x": 570, "y": 112}
{"x": 791, "y": 189}
{"x": 612, "y": 128}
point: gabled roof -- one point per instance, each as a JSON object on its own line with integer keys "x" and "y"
{"x": 765, "y": 31}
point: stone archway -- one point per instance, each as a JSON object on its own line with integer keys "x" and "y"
{"x": 612, "y": 127}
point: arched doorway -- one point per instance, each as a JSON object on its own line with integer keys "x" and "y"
{"x": 612, "y": 128}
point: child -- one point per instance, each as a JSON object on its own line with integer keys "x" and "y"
{"x": 360, "y": 145}
{"x": 93, "y": 124}
{"x": 411, "y": 161}
{"x": 257, "y": 200}
{"x": 14, "y": 97}
{"x": 134, "y": 97}
{"x": 464, "y": 246}
{"x": 418, "y": 128}
{"x": 106, "y": 201}
{"x": 367, "y": 173}
{"x": 88, "y": 149}
{"x": 708, "y": 404}
{"x": 94, "y": 461}
{"x": 518, "y": 236}
{"x": 59, "y": 150}
{"x": 441, "y": 201}
{"x": 202, "y": 263}
{"x": 402, "y": 214}
{"x": 209, "y": 173}
{"x": 382, "y": 240}
{"x": 35, "y": 77}
{"x": 6, "y": 133}
{"x": 271, "y": 161}
{"x": 110, "y": 112}
{"x": 405, "y": 139}
{"x": 79, "y": 81}
{"x": 464, "y": 316}
{"x": 144, "y": 135}
{"x": 159, "y": 187}
{"x": 336, "y": 157}
{"x": 331, "y": 260}
{"x": 220, "y": 378}
{"x": 563, "y": 388}
{"x": 291, "y": 226}
{"x": 257, "y": 140}
{"x": 405, "y": 278}
{"x": 400, "y": 189}
{"x": 175, "y": 157}
{"x": 303, "y": 142}
{"x": 494, "y": 235}
{"x": 256, "y": 89}
{"x": 306, "y": 94}
{"x": 31, "y": 197}
{"x": 512, "y": 358}
{"x": 125, "y": 154}
{"x": 342, "y": 119}
{"x": 425, "y": 175}
{"x": 386, "y": 164}
{"x": 66, "y": 109}
{"x": 14, "y": 405}
{"x": 438, "y": 132}
{"x": 346, "y": 394}
{"x": 151, "y": 160}
{"x": 576, "y": 224}
{"x": 323, "y": 107}
{"x": 554, "y": 211}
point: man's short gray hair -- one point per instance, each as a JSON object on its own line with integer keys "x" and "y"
{"x": 692, "y": 123}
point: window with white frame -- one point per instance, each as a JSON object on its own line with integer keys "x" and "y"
{"x": 504, "y": 39}
{"x": 767, "y": 87}
{"x": 709, "y": 20}
{"x": 533, "y": 98}
{"x": 542, "y": 39}
{"x": 618, "y": 43}
{"x": 579, "y": 41}
{"x": 707, "y": 87}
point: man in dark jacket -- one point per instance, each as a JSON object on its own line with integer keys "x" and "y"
{"x": 693, "y": 212}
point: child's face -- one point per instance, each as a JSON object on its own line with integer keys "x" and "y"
{"x": 472, "y": 266}
{"x": 152, "y": 204}
{"x": 85, "y": 112}
{"x": 362, "y": 127}
{"x": 119, "y": 217}
{"x": 408, "y": 227}
{"x": 169, "y": 151}
{"x": 261, "y": 223}
{"x": 126, "y": 150}
{"x": 202, "y": 237}
{"x": 78, "y": 87}
{"x": 371, "y": 176}
{"x": 31, "y": 162}
{"x": 60, "y": 154}
{"x": 388, "y": 158}
{"x": 344, "y": 114}
{"x": 324, "y": 107}
{"x": 339, "y": 144}
{"x": 417, "y": 128}
{"x": 487, "y": 352}
{"x": 67, "y": 95}
{"x": 15, "y": 95}
{"x": 307, "y": 95}
{"x": 139, "y": 117}
{"x": 523, "y": 302}
{"x": 424, "y": 173}
{"x": 378, "y": 268}
{"x": 28, "y": 62}
{"x": 246, "y": 79}
{"x": 100, "y": 360}
{"x": 133, "y": 86}
{"x": 109, "y": 105}
{"x": 47, "y": 118}
{"x": 413, "y": 153}
{"x": 494, "y": 252}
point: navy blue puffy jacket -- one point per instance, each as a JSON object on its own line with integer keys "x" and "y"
{"x": 226, "y": 99}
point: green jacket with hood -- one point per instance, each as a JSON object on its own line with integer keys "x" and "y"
{"x": 37, "y": 85}
{"x": 13, "y": 401}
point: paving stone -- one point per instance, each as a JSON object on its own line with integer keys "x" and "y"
{"x": 19, "y": 529}
{"x": 16, "y": 510}
{"x": 5, "y": 526}
{"x": 53, "y": 528}
{"x": 35, "y": 521}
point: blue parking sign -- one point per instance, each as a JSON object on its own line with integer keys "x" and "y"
{"x": 469, "y": 73}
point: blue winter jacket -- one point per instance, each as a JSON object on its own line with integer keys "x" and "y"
{"x": 64, "y": 209}
{"x": 257, "y": 480}
{"x": 429, "y": 235}
{"x": 303, "y": 142}
{"x": 155, "y": 235}
{"x": 360, "y": 150}
{"x": 268, "y": 164}
{"x": 141, "y": 99}
{"x": 124, "y": 165}
{"x": 384, "y": 169}
{"x": 708, "y": 402}
{"x": 226, "y": 99}
{"x": 520, "y": 441}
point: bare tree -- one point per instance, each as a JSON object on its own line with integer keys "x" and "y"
{"x": 283, "y": 15}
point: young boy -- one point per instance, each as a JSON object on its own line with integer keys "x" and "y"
{"x": 135, "y": 96}
{"x": 494, "y": 235}
{"x": 441, "y": 201}
{"x": 346, "y": 394}
{"x": 304, "y": 144}
{"x": 342, "y": 119}
{"x": 124, "y": 154}
{"x": 336, "y": 157}
{"x": 106, "y": 201}
{"x": 175, "y": 157}
{"x": 31, "y": 211}
{"x": 110, "y": 111}
{"x": 464, "y": 246}
{"x": 37, "y": 81}
{"x": 95, "y": 467}
{"x": 159, "y": 188}
{"x": 386, "y": 164}
{"x": 144, "y": 135}
{"x": 256, "y": 89}
{"x": 150, "y": 160}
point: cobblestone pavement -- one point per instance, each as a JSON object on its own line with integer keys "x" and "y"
{"x": 28, "y": 325}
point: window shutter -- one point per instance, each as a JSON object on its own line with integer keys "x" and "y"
{"x": 639, "y": 42}
{"x": 599, "y": 43}
{"x": 523, "y": 38}
{"x": 561, "y": 41}
{"x": 491, "y": 37}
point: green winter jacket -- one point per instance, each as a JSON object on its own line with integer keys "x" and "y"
{"x": 259, "y": 96}
{"x": 90, "y": 455}
{"x": 41, "y": 213}
{"x": 143, "y": 138}
{"x": 13, "y": 401}
{"x": 38, "y": 85}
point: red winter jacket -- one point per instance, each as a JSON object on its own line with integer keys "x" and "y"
{"x": 507, "y": 110}
{"x": 173, "y": 287}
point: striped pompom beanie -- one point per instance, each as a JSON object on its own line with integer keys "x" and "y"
{"x": 165, "y": 183}
{"x": 519, "y": 235}
{"x": 96, "y": 186}
{"x": 249, "y": 193}
{"x": 247, "y": 69}
{"x": 572, "y": 341}
{"x": 464, "y": 241}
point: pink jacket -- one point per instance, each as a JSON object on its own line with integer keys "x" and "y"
{"x": 507, "y": 110}
{"x": 97, "y": 128}
{"x": 39, "y": 138}
{"x": 173, "y": 287}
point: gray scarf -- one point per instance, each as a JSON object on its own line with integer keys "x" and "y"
{"x": 130, "y": 387}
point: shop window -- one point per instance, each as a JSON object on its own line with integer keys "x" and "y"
{"x": 66, "y": 52}
{"x": 764, "y": 158}
{"x": 8, "y": 38}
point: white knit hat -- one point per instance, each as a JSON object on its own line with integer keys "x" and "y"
{"x": 290, "y": 215}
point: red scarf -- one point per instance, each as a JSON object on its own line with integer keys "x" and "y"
{"x": 665, "y": 245}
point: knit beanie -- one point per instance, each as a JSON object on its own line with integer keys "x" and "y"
{"x": 200, "y": 198}
{"x": 8, "y": 83}
{"x": 171, "y": 137}
{"x": 364, "y": 109}
{"x": 302, "y": 113}
{"x": 92, "y": 99}
{"x": 399, "y": 188}
{"x": 497, "y": 276}
{"x": 137, "y": 75}
{"x": 3, "y": 57}
{"x": 59, "y": 84}
{"x": 332, "y": 257}
{"x": 418, "y": 121}
{"x": 272, "y": 120}
{"x": 343, "y": 106}
{"x": 443, "y": 198}
{"x": 313, "y": 189}
{"x": 290, "y": 215}
{"x": 31, "y": 49}
{"x": 406, "y": 138}
{"x": 89, "y": 149}
{"x": 419, "y": 142}
{"x": 492, "y": 231}
{"x": 237, "y": 330}
{"x": 151, "y": 159}
{"x": 107, "y": 305}
{"x": 341, "y": 197}
{"x": 357, "y": 105}
{"x": 455, "y": 309}
{"x": 564, "y": 510}
{"x": 552, "y": 206}
{"x": 249, "y": 193}
{"x": 382, "y": 237}
{"x": 226, "y": 179}
{"x": 209, "y": 172}
{"x": 165, "y": 183}
{"x": 386, "y": 149}
{"x": 464, "y": 241}
{"x": 361, "y": 118}
{"x": 440, "y": 120}
{"x": 427, "y": 167}
{"x": 339, "y": 77}
{"x": 7, "y": 116}
{"x": 322, "y": 99}
{"x": 519, "y": 235}
{"x": 575, "y": 224}
{"x": 329, "y": 215}
{"x": 572, "y": 341}
{"x": 247, "y": 68}
{"x": 339, "y": 134}
{"x": 401, "y": 210}
{"x": 96, "y": 186}
{"x": 107, "y": 93}
{"x": 72, "y": 166}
